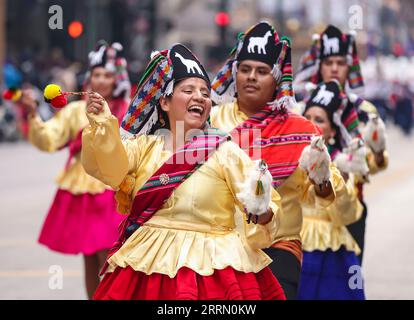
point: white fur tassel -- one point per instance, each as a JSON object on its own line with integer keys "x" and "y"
{"x": 154, "y": 53}
{"x": 374, "y": 133}
{"x": 315, "y": 160}
{"x": 256, "y": 203}
{"x": 352, "y": 97}
{"x": 310, "y": 87}
{"x": 150, "y": 123}
{"x": 276, "y": 73}
{"x": 117, "y": 46}
{"x": 285, "y": 103}
{"x": 169, "y": 89}
{"x": 353, "y": 159}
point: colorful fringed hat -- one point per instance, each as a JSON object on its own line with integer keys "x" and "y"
{"x": 330, "y": 42}
{"x": 166, "y": 67}
{"x": 331, "y": 97}
{"x": 260, "y": 43}
{"x": 110, "y": 57}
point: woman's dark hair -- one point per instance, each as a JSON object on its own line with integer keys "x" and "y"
{"x": 164, "y": 122}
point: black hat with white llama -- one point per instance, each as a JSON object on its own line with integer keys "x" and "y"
{"x": 259, "y": 45}
{"x": 186, "y": 65}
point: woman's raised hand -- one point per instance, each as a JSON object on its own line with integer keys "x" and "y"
{"x": 95, "y": 103}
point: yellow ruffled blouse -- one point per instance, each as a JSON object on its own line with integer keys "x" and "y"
{"x": 296, "y": 191}
{"x": 326, "y": 228}
{"x": 54, "y": 134}
{"x": 195, "y": 228}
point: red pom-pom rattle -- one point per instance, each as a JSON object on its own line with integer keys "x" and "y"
{"x": 56, "y": 97}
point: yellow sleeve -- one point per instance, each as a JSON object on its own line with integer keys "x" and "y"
{"x": 53, "y": 134}
{"x": 235, "y": 167}
{"x": 347, "y": 207}
{"x": 104, "y": 155}
{"x": 372, "y": 165}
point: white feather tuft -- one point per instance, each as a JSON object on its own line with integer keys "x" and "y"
{"x": 315, "y": 160}
{"x": 310, "y": 86}
{"x": 374, "y": 133}
{"x": 169, "y": 89}
{"x": 256, "y": 204}
{"x": 117, "y": 46}
{"x": 154, "y": 53}
{"x": 353, "y": 159}
{"x": 352, "y": 97}
{"x": 352, "y": 32}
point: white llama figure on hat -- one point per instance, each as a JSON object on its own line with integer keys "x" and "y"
{"x": 191, "y": 65}
{"x": 259, "y": 42}
{"x": 323, "y": 96}
{"x": 331, "y": 45}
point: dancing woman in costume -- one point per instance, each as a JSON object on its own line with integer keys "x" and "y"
{"x": 330, "y": 251}
{"x": 180, "y": 184}
{"x": 333, "y": 56}
{"x": 82, "y": 218}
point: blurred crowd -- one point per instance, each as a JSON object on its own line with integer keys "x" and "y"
{"x": 387, "y": 43}
{"x": 389, "y": 84}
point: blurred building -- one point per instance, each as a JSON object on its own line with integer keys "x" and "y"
{"x": 144, "y": 25}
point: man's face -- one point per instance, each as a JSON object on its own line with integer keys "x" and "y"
{"x": 335, "y": 67}
{"x": 255, "y": 83}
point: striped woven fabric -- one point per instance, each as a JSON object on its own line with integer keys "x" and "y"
{"x": 142, "y": 108}
{"x": 159, "y": 187}
{"x": 283, "y": 136}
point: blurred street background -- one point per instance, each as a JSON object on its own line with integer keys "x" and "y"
{"x": 33, "y": 53}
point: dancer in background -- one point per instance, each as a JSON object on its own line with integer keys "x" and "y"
{"x": 82, "y": 218}
{"x": 333, "y": 56}
{"x": 330, "y": 252}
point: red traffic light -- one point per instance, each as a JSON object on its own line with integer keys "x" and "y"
{"x": 222, "y": 18}
{"x": 75, "y": 29}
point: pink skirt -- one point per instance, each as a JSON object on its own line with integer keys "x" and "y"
{"x": 82, "y": 223}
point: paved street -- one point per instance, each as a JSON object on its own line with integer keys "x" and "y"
{"x": 27, "y": 190}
